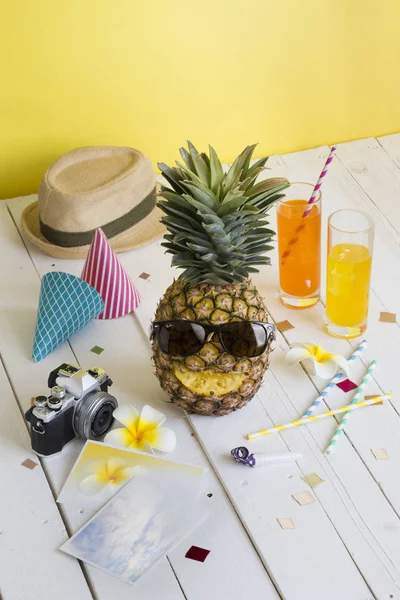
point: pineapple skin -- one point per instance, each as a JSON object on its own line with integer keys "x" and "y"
{"x": 215, "y": 304}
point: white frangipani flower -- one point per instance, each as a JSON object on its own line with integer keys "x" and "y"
{"x": 141, "y": 431}
{"x": 324, "y": 364}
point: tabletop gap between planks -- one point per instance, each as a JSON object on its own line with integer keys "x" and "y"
{"x": 393, "y": 232}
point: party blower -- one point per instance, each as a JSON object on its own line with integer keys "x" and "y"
{"x": 263, "y": 459}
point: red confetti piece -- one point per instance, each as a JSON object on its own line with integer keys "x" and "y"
{"x": 347, "y": 385}
{"x": 196, "y": 553}
{"x": 144, "y": 276}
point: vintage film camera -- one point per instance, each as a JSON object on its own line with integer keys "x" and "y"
{"x": 79, "y": 405}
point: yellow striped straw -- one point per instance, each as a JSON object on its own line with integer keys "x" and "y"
{"x": 324, "y": 415}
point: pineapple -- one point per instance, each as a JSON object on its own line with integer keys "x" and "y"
{"x": 217, "y": 234}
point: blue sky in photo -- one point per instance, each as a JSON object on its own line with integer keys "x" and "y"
{"x": 138, "y": 526}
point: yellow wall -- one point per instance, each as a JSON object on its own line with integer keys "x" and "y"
{"x": 289, "y": 74}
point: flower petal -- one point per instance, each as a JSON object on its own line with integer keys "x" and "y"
{"x": 150, "y": 418}
{"x": 295, "y": 355}
{"x": 342, "y": 363}
{"x": 119, "y": 437}
{"x": 127, "y": 415}
{"x": 325, "y": 370}
{"x": 162, "y": 438}
{"x": 91, "y": 485}
{"x": 142, "y": 445}
{"x": 312, "y": 348}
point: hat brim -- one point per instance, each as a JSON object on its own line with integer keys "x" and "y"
{"x": 146, "y": 231}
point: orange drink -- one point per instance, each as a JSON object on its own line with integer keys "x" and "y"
{"x": 299, "y": 247}
{"x": 350, "y": 242}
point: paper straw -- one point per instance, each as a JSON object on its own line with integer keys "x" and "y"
{"x": 324, "y": 415}
{"x": 319, "y": 182}
{"x": 359, "y": 391}
{"x": 310, "y": 203}
{"x": 334, "y": 380}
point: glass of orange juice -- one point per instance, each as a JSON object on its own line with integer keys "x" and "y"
{"x": 299, "y": 246}
{"x": 350, "y": 245}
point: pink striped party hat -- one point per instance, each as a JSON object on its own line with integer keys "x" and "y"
{"x": 104, "y": 272}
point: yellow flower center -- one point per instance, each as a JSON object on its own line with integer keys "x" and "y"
{"x": 141, "y": 432}
{"x": 321, "y": 355}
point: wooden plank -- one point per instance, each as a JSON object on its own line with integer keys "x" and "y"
{"x": 376, "y": 174}
{"x": 19, "y": 297}
{"x": 31, "y": 528}
{"x": 339, "y": 192}
{"x": 391, "y": 145}
{"x": 386, "y": 289}
{"x": 127, "y": 359}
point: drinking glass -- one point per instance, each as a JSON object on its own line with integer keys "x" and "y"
{"x": 299, "y": 246}
{"x": 350, "y": 245}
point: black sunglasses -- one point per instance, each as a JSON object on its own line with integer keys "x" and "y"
{"x": 241, "y": 339}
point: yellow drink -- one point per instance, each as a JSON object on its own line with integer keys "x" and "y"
{"x": 347, "y": 285}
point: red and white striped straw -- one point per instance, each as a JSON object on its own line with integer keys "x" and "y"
{"x": 319, "y": 182}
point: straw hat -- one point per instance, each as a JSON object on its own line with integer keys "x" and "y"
{"x": 101, "y": 186}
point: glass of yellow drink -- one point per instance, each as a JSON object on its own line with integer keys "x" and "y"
{"x": 299, "y": 246}
{"x": 350, "y": 245}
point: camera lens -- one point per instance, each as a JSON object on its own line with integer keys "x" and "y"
{"x": 103, "y": 420}
{"x": 93, "y": 415}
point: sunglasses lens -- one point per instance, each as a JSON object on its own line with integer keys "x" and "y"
{"x": 244, "y": 339}
{"x": 181, "y": 338}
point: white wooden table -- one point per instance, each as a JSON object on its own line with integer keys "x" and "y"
{"x": 346, "y": 546}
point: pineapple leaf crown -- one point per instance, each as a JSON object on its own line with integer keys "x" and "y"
{"x": 217, "y": 221}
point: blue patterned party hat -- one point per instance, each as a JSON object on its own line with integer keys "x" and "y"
{"x": 66, "y": 304}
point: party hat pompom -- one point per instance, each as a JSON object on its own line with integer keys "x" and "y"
{"x": 66, "y": 304}
{"x": 105, "y": 273}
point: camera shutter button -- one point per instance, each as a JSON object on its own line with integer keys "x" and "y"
{"x": 54, "y": 403}
{"x": 55, "y": 400}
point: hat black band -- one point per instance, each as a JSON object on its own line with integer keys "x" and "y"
{"x": 67, "y": 239}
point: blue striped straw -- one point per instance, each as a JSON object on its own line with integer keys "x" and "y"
{"x": 334, "y": 381}
{"x": 359, "y": 392}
